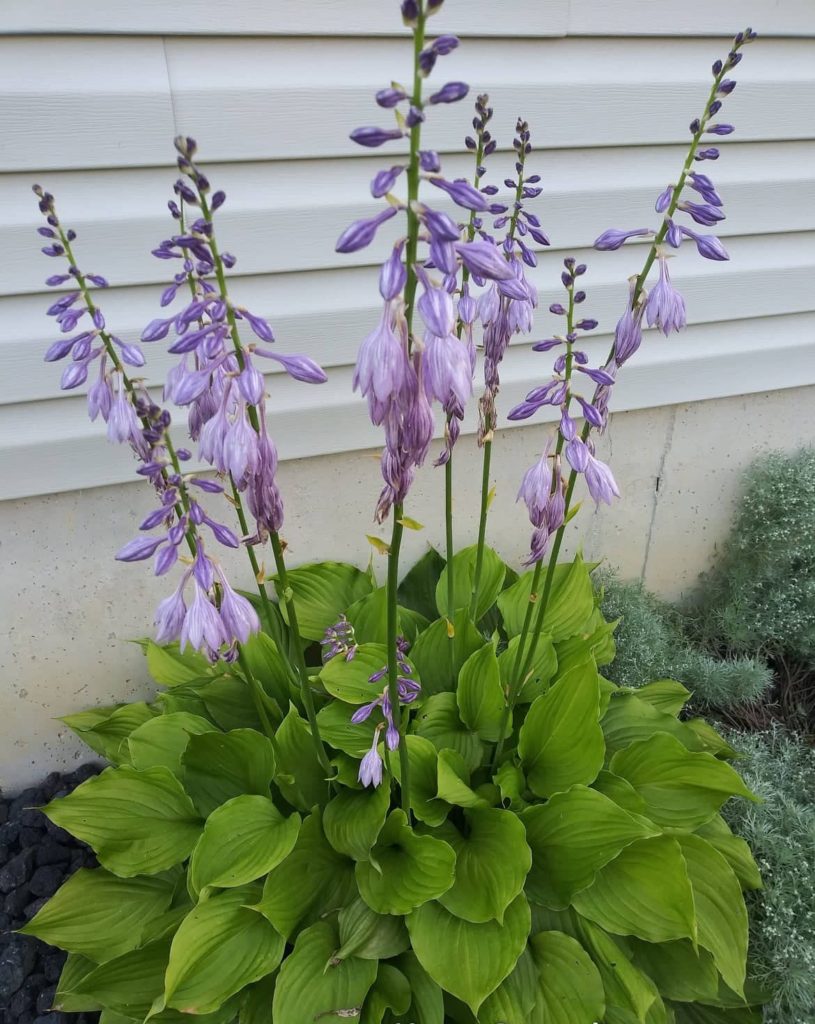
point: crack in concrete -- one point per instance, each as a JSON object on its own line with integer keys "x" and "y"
{"x": 669, "y": 436}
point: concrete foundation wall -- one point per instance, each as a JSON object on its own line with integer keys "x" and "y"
{"x": 68, "y": 609}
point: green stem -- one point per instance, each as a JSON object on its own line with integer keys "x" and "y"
{"x": 489, "y": 427}
{"x": 635, "y": 294}
{"x": 284, "y": 590}
{"x": 448, "y": 522}
{"x": 296, "y": 650}
{"x": 399, "y": 719}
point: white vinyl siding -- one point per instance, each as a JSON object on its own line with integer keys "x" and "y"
{"x": 92, "y": 92}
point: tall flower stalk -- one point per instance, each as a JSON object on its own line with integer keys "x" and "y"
{"x": 663, "y": 308}
{"x": 226, "y": 391}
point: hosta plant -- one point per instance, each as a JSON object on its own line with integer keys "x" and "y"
{"x": 411, "y": 798}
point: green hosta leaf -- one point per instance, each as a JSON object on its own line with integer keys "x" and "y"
{"x": 99, "y": 915}
{"x": 468, "y": 960}
{"x": 681, "y": 789}
{"x": 219, "y": 766}
{"x": 489, "y": 587}
{"x": 322, "y": 592}
{"x": 511, "y": 783}
{"x": 492, "y": 861}
{"x": 411, "y": 623}
{"x": 687, "y": 1013}
{"x": 438, "y": 721}
{"x": 185, "y": 699}
{"x": 314, "y": 879}
{"x": 665, "y": 695}
{"x": 600, "y": 638}
{"x": 162, "y": 740}
{"x": 348, "y": 680}
{"x": 131, "y": 982}
{"x": 454, "y": 781}
{"x": 229, "y": 703}
{"x": 75, "y": 968}
{"x": 734, "y": 850}
{"x": 369, "y": 935}
{"x": 169, "y": 667}
{"x": 269, "y": 668}
{"x": 310, "y": 987}
{"x": 221, "y": 947}
{"x": 571, "y": 601}
{"x": 353, "y": 819}
{"x": 369, "y": 617}
{"x": 479, "y": 694}
{"x": 570, "y": 987}
{"x": 620, "y": 791}
{"x": 645, "y": 891}
{"x": 391, "y": 991}
{"x": 299, "y": 776}
{"x": 427, "y": 1005}
{"x": 337, "y": 729}
{"x": 541, "y": 668}
{"x": 106, "y": 731}
{"x": 418, "y": 589}
{"x": 243, "y": 839}
{"x": 573, "y": 836}
{"x": 720, "y": 912}
{"x": 431, "y": 652}
{"x": 515, "y": 998}
{"x": 630, "y": 995}
{"x": 345, "y": 771}
{"x": 677, "y": 970}
{"x": 628, "y": 720}
{"x": 709, "y": 740}
{"x": 423, "y": 761}
{"x": 256, "y": 1002}
{"x": 561, "y": 742}
{"x": 406, "y": 870}
{"x": 139, "y": 823}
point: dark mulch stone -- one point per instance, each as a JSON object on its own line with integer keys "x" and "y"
{"x": 36, "y": 857}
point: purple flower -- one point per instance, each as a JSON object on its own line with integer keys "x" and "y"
{"x": 628, "y": 333}
{"x": 300, "y": 367}
{"x": 393, "y": 275}
{"x": 614, "y": 238}
{"x": 440, "y": 225}
{"x": 462, "y": 193}
{"x": 600, "y": 481}
{"x": 708, "y": 246}
{"x": 237, "y": 614}
{"x": 447, "y": 369}
{"x": 370, "y": 768}
{"x": 139, "y": 549}
{"x": 372, "y": 137}
{"x": 450, "y": 93}
{"x": 123, "y": 423}
{"x": 361, "y": 233}
{"x": 202, "y": 628}
{"x": 436, "y": 308}
{"x": 381, "y": 367}
{"x": 389, "y": 98}
{"x": 170, "y": 615}
{"x": 665, "y": 307}
{"x": 664, "y": 199}
{"x": 429, "y": 161}
{"x": 536, "y": 488}
{"x": 484, "y": 259}
{"x": 384, "y": 180}
{"x": 577, "y": 454}
{"x": 702, "y": 213}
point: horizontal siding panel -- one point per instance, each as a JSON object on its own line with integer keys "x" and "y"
{"x": 48, "y": 447}
{"x": 252, "y": 103}
{"x": 280, "y": 17}
{"x": 106, "y": 98}
{"x": 327, "y": 314}
{"x": 380, "y": 17}
{"x": 281, "y": 217}
{"x": 690, "y": 18}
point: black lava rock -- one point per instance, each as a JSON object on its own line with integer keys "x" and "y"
{"x": 52, "y": 852}
{"x": 46, "y": 880}
{"x": 15, "y": 903}
{"x": 17, "y": 959}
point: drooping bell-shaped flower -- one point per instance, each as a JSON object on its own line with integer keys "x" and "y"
{"x": 665, "y": 307}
